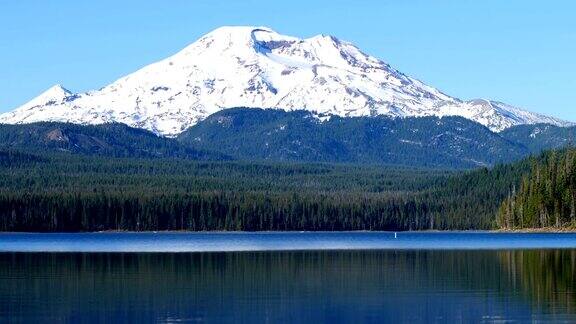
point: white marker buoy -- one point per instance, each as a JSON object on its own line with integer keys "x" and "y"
{"x": 395, "y": 235}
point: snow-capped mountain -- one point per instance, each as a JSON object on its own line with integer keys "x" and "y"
{"x": 257, "y": 67}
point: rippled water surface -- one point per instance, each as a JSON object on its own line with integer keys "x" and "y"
{"x": 316, "y": 277}
{"x": 277, "y": 241}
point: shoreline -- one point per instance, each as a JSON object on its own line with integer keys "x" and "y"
{"x": 549, "y": 230}
{"x": 537, "y": 230}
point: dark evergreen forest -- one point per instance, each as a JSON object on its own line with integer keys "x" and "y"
{"x": 59, "y": 192}
{"x": 62, "y": 177}
{"x": 546, "y": 197}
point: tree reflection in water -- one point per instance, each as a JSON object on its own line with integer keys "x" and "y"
{"x": 307, "y": 286}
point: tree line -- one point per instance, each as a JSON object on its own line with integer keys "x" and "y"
{"x": 71, "y": 193}
{"x": 546, "y": 196}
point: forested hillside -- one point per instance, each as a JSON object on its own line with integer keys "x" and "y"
{"x": 275, "y": 135}
{"x": 546, "y": 196}
{"x": 116, "y": 140}
{"x": 65, "y": 177}
{"x": 63, "y": 192}
{"x": 299, "y": 136}
{"x": 540, "y": 137}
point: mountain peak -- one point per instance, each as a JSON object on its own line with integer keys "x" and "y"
{"x": 235, "y": 34}
{"x": 57, "y": 90}
{"x": 253, "y": 66}
{"x": 53, "y": 95}
{"x": 237, "y": 30}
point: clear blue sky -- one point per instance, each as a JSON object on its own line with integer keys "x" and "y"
{"x": 522, "y": 52}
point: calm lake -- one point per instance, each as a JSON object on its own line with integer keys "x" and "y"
{"x": 287, "y": 277}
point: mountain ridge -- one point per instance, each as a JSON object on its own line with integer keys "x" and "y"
{"x": 253, "y": 134}
{"x": 257, "y": 67}
{"x": 301, "y": 136}
{"x": 109, "y": 140}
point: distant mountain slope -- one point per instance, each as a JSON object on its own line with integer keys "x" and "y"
{"x": 301, "y": 136}
{"x": 257, "y": 67}
{"x": 541, "y": 136}
{"x": 298, "y": 136}
{"x": 116, "y": 140}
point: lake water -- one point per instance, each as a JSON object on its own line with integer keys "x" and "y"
{"x": 288, "y": 277}
{"x": 278, "y": 241}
